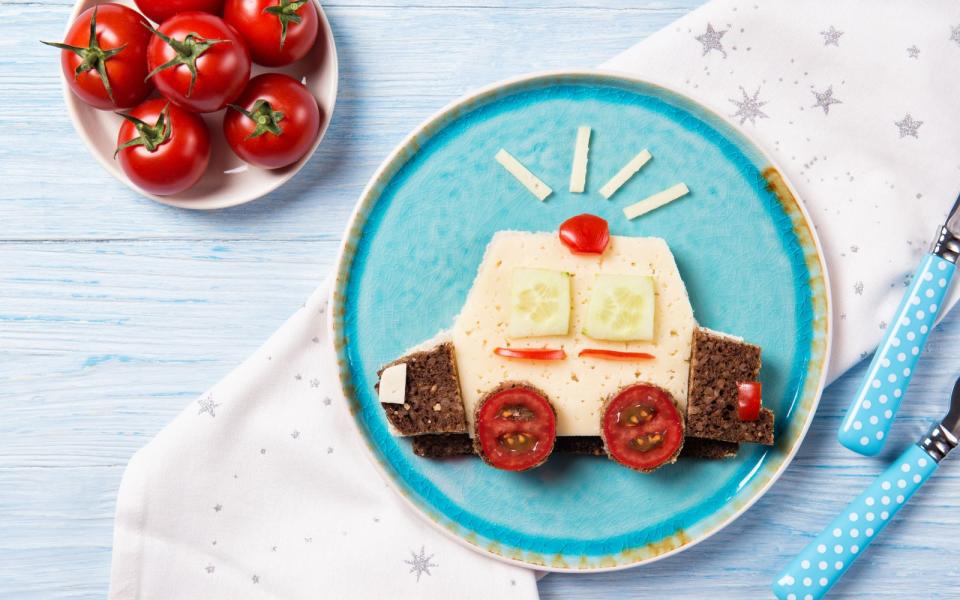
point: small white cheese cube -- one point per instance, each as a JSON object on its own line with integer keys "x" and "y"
{"x": 393, "y": 384}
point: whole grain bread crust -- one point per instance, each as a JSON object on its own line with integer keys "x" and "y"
{"x": 717, "y": 364}
{"x": 433, "y": 402}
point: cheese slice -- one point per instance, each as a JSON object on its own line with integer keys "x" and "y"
{"x": 629, "y": 170}
{"x": 522, "y": 174}
{"x": 393, "y": 384}
{"x": 656, "y": 201}
{"x": 578, "y": 174}
{"x": 577, "y": 387}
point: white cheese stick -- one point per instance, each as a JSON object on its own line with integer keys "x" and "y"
{"x": 393, "y": 384}
{"x": 578, "y": 174}
{"x": 530, "y": 181}
{"x": 656, "y": 201}
{"x": 629, "y": 170}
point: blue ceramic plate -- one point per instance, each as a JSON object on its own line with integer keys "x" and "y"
{"x": 745, "y": 248}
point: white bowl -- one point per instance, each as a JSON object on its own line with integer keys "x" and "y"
{"x": 228, "y": 181}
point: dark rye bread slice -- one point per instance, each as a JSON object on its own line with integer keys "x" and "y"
{"x": 717, "y": 363}
{"x": 433, "y": 403}
{"x": 448, "y": 445}
{"x": 694, "y": 447}
{"x": 443, "y": 445}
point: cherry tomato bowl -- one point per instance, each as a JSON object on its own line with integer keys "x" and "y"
{"x": 228, "y": 180}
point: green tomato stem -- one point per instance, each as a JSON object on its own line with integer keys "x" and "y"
{"x": 93, "y": 56}
{"x": 266, "y": 119}
{"x": 187, "y": 50}
{"x": 286, "y": 11}
{"x": 151, "y": 136}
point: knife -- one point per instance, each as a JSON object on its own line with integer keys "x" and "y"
{"x": 821, "y": 564}
{"x": 872, "y": 411}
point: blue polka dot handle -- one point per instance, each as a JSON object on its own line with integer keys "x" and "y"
{"x": 826, "y": 558}
{"x": 868, "y": 420}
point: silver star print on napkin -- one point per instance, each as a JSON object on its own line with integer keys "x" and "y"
{"x": 831, "y": 37}
{"x": 748, "y": 107}
{"x": 908, "y": 126}
{"x": 207, "y": 405}
{"x": 711, "y": 40}
{"x": 825, "y": 99}
{"x": 420, "y": 563}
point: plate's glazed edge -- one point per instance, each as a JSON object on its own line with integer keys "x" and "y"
{"x": 803, "y": 409}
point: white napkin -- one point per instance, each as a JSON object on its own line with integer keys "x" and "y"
{"x": 857, "y": 102}
{"x": 261, "y": 487}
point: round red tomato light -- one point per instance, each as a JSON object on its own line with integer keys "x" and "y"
{"x": 585, "y": 234}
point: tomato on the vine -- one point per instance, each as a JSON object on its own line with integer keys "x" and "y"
{"x": 278, "y": 32}
{"x": 161, "y": 10}
{"x": 198, "y": 61}
{"x": 104, "y": 57}
{"x": 274, "y": 123}
{"x": 163, "y": 148}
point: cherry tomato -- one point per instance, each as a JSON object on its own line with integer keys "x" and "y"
{"x": 531, "y": 353}
{"x": 278, "y": 32}
{"x": 749, "y": 399}
{"x": 274, "y": 122}
{"x": 160, "y": 10}
{"x": 641, "y": 427}
{"x": 198, "y": 61}
{"x": 516, "y": 428}
{"x": 104, "y": 58}
{"x": 163, "y": 148}
{"x": 585, "y": 234}
{"x": 614, "y": 354}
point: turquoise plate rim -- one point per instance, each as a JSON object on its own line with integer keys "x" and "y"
{"x": 802, "y": 412}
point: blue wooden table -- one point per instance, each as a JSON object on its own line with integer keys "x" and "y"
{"x": 116, "y": 311}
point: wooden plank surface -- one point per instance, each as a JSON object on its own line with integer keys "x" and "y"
{"x": 116, "y": 311}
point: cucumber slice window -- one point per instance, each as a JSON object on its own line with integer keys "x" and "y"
{"x": 539, "y": 303}
{"x": 621, "y": 308}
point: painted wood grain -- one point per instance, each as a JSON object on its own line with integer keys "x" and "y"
{"x": 116, "y": 311}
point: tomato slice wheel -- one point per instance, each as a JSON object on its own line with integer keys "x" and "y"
{"x": 531, "y": 353}
{"x": 642, "y": 428}
{"x": 516, "y": 428}
{"x": 585, "y": 234}
{"x": 614, "y": 354}
{"x": 749, "y": 399}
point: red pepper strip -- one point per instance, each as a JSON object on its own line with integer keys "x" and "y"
{"x": 614, "y": 354}
{"x": 531, "y": 353}
{"x": 749, "y": 399}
